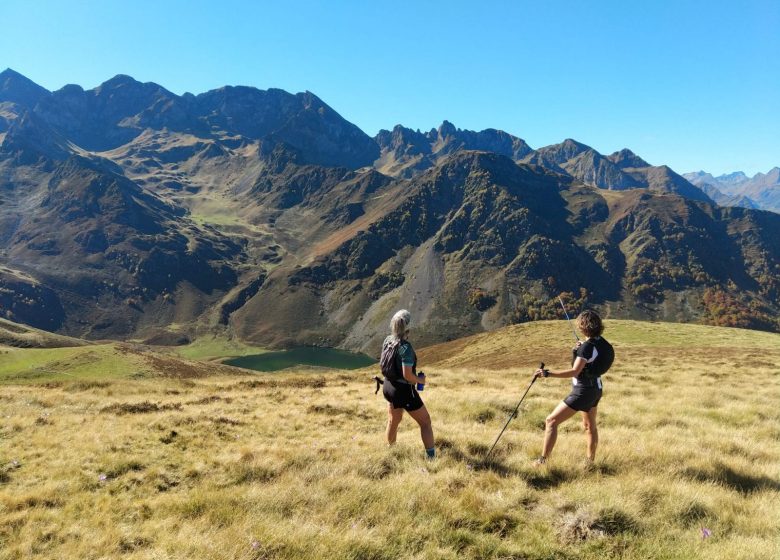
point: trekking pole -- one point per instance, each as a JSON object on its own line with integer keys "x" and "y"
{"x": 514, "y": 412}
{"x": 577, "y": 338}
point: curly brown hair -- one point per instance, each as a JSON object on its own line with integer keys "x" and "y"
{"x": 590, "y": 323}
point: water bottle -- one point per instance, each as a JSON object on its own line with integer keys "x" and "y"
{"x": 421, "y": 386}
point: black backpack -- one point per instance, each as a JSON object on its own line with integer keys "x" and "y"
{"x": 388, "y": 362}
{"x": 605, "y": 358}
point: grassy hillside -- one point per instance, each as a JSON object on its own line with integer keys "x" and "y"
{"x": 214, "y": 347}
{"x": 109, "y": 361}
{"x": 165, "y": 458}
{"x": 24, "y": 336}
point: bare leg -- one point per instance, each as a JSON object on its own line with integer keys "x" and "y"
{"x": 426, "y": 429}
{"x": 591, "y": 431}
{"x": 394, "y": 417}
{"x": 561, "y": 413}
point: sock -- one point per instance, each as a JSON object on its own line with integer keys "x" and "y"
{"x": 431, "y": 453}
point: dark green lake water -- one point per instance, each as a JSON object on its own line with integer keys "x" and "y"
{"x": 304, "y": 355}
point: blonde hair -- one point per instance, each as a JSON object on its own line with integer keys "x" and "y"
{"x": 399, "y": 324}
{"x": 590, "y": 323}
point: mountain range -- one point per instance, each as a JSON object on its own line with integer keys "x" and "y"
{"x": 762, "y": 190}
{"x": 127, "y": 211}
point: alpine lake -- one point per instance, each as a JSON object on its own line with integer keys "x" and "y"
{"x": 303, "y": 356}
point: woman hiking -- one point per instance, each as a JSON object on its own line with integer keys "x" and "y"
{"x": 400, "y": 379}
{"x": 591, "y": 358}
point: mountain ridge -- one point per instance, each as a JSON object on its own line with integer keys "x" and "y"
{"x": 762, "y": 190}
{"x": 267, "y": 216}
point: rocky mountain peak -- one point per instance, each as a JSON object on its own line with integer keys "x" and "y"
{"x": 572, "y": 145}
{"x": 447, "y": 129}
{"x": 70, "y": 90}
{"x": 311, "y": 101}
{"x": 566, "y": 150}
{"x": 695, "y": 175}
{"x": 625, "y": 158}
{"x": 122, "y": 89}
{"x": 733, "y": 178}
{"x": 401, "y": 138}
{"x": 19, "y": 89}
{"x": 768, "y": 180}
{"x": 120, "y": 80}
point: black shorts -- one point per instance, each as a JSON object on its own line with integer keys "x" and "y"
{"x": 402, "y": 395}
{"x": 583, "y": 398}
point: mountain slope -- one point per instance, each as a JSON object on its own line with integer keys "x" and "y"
{"x": 722, "y": 199}
{"x": 622, "y": 170}
{"x": 764, "y": 188}
{"x": 98, "y": 254}
{"x": 22, "y": 336}
{"x": 479, "y": 241}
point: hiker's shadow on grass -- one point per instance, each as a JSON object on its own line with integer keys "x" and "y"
{"x": 730, "y": 478}
{"x": 474, "y": 457}
{"x": 603, "y": 469}
{"x": 448, "y": 447}
{"x": 493, "y": 465}
{"x": 542, "y": 479}
{"x": 550, "y": 478}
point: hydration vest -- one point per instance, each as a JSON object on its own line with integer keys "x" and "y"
{"x": 388, "y": 361}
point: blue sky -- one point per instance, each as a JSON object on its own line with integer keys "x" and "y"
{"x": 695, "y": 85}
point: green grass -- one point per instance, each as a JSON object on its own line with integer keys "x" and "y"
{"x": 217, "y": 219}
{"x": 210, "y": 348}
{"x": 35, "y": 365}
{"x": 301, "y": 356}
{"x": 293, "y": 465}
{"x": 660, "y": 334}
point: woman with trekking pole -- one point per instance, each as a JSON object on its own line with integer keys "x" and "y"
{"x": 591, "y": 358}
{"x": 402, "y": 384}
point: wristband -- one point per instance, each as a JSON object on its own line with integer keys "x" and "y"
{"x": 545, "y": 373}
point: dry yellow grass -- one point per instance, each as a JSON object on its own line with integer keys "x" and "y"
{"x": 293, "y": 465}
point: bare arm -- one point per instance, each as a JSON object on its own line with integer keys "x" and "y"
{"x": 411, "y": 377}
{"x": 575, "y": 370}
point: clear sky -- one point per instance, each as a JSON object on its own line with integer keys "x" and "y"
{"x": 691, "y": 84}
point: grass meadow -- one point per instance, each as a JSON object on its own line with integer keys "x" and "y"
{"x": 112, "y": 451}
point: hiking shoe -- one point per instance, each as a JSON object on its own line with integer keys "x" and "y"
{"x": 539, "y": 462}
